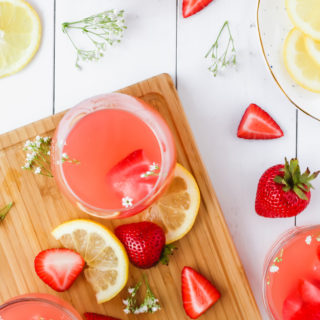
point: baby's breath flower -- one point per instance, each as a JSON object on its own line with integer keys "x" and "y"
{"x": 127, "y": 202}
{"x": 149, "y": 304}
{"x": 221, "y": 60}
{"x": 37, "y": 170}
{"x": 100, "y": 29}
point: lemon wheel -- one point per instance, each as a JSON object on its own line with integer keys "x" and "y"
{"x": 300, "y": 65}
{"x": 20, "y": 33}
{"x": 177, "y": 209}
{"x": 106, "y": 258}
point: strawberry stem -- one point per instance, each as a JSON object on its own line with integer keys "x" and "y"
{"x": 292, "y": 179}
{"x": 167, "y": 252}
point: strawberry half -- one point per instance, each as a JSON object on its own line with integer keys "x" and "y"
{"x": 310, "y": 292}
{"x": 125, "y": 177}
{"x": 283, "y": 191}
{"x": 96, "y": 316}
{"x": 190, "y": 7}
{"x": 257, "y": 124}
{"x": 143, "y": 241}
{"x": 198, "y": 294}
{"x": 58, "y": 268}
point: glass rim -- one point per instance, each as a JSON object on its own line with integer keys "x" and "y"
{"x": 281, "y": 241}
{"x": 40, "y": 298}
{"x": 162, "y": 174}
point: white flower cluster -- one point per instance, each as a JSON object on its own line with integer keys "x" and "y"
{"x": 37, "y": 156}
{"x": 308, "y": 240}
{"x": 152, "y": 168}
{"x": 150, "y": 302}
{"x": 101, "y": 29}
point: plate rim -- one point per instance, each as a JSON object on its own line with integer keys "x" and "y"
{"x": 273, "y": 76}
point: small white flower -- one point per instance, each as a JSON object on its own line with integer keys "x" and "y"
{"x": 37, "y": 170}
{"x": 127, "y": 202}
{"x": 38, "y": 144}
{"x": 27, "y": 143}
{"x": 126, "y": 310}
{"x": 38, "y": 138}
{"x": 46, "y": 139}
{"x": 137, "y": 311}
{"x": 154, "y": 309}
{"x": 274, "y": 268}
{"x": 48, "y": 153}
{"x": 143, "y": 175}
{"x": 308, "y": 240}
{"x": 27, "y": 165}
{"x": 154, "y": 167}
{"x": 125, "y": 302}
{"x": 64, "y": 156}
{"x": 143, "y": 309}
{"x": 130, "y": 290}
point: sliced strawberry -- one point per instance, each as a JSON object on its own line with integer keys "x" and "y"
{"x": 96, "y": 316}
{"x": 310, "y": 292}
{"x": 198, "y": 294}
{"x": 58, "y": 268}
{"x": 318, "y": 252}
{"x": 308, "y": 312}
{"x": 190, "y": 7}
{"x": 257, "y": 124}
{"x": 291, "y": 305}
{"x": 126, "y": 176}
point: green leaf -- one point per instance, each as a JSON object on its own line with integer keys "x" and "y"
{"x": 5, "y": 210}
{"x": 279, "y": 179}
{"x": 301, "y": 194}
{"x": 167, "y": 252}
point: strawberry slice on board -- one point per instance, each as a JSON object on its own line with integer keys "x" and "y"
{"x": 96, "y": 316}
{"x": 257, "y": 124}
{"x": 198, "y": 294}
{"x": 58, "y": 268}
{"x": 190, "y": 7}
{"x": 128, "y": 177}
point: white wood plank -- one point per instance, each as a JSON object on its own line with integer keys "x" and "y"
{"x": 215, "y": 106}
{"x": 27, "y": 95}
{"x": 148, "y": 48}
{"x": 309, "y": 156}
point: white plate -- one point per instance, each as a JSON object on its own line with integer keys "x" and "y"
{"x": 273, "y": 27}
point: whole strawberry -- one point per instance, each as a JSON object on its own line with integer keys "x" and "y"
{"x": 283, "y": 191}
{"x": 143, "y": 241}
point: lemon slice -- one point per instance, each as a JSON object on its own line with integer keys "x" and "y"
{"x": 305, "y": 15}
{"x": 106, "y": 258}
{"x": 313, "y": 48}
{"x": 20, "y": 33}
{"x": 302, "y": 68}
{"x": 177, "y": 209}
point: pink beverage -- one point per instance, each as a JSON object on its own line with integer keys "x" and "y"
{"x": 113, "y": 155}
{"x": 291, "y": 284}
{"x": 38, "y": 307}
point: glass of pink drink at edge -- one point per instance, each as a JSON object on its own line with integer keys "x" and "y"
{"x": 38, "y": 307}
{"x": 112, "y": 155}
{"x": 291, "y": 276}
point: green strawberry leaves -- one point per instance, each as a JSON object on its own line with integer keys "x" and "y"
{"x": 292, "y": 179}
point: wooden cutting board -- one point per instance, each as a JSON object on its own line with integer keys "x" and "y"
{"x": 39, "y": 207}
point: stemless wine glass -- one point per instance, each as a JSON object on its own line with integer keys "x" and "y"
{"x": 119, "y": 129}
{"x": 292, "y": 259}
{"x": 38, "y": 306}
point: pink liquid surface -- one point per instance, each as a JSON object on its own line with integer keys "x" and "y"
{"x": 45, "y": 308}
{"x": 297, "y": 261}
{"x": 100, "y": 141}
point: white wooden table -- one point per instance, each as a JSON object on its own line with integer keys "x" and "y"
{"x": 159, "y": 40}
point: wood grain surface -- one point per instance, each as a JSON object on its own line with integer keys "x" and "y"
{"x": 39, "y": 207}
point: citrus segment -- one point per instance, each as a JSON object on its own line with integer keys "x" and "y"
{"x": 20, "y": 32}
{"x": 305, "y": 15}
{"x": 302, "y": 68}
{"x": 313, "y": 48}
{"x": 177, "y": 209}
{"x": 107, "y": 261}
